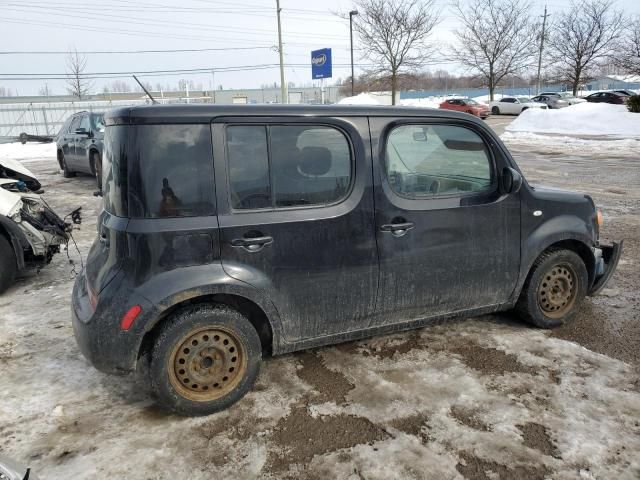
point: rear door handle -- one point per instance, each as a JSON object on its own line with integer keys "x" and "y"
{"x": 254, "y": 244}
{"x": 397, "y": 229}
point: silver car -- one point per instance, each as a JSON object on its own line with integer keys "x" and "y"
{"x": 566, "y": 96}
{"x": 551, "y": 101}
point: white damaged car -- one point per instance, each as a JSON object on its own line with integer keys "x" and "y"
{"x": 30, "y": 231}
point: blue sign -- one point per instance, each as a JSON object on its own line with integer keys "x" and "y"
{"x": 321, "y": 63}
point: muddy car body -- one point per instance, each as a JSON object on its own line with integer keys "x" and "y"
{"x": 233, "y": 232}
{"x": 30, "y": 231}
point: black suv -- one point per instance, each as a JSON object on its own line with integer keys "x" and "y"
{"x": 229, "y": 233}
{"x": 79, "y": 145}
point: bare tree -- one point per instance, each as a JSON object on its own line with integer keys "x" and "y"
{"x": 77, "y": 84}
{"x": 628, "y": 56}
{"x": 496, "y": 39}
{"x": 587, "y": 32}
{"x": 395, "y": 35}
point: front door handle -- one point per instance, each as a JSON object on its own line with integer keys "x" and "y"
{"x": 397, "y": 229}
{"x": 254, "y": 244}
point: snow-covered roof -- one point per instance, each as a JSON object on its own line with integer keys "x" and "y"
{"x": 625, "y": 78}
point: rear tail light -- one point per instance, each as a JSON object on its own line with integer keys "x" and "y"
{"x": 93, "y": 298}
{"x": 599, "y": 219}
{"x": 130, "y": 317}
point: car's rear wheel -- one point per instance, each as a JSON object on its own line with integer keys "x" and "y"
{"x": 97, "y": 168}
{"x": 204, "y": 359}
{"x": 495, "y": 111}
{"x": 8, "y": 264}
{"x": 554, "y": 289}
{"x": 66, "y": 173}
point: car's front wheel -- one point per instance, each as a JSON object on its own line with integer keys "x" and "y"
{"x": 554, "y": 289}
{"x": 204, "y": 359}
{"x": 8, "y": 265}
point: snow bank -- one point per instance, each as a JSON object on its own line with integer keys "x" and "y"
{"x": 28, "y": 151}
{"x": 592, "y": 119}
{"x": 360, "y": 99}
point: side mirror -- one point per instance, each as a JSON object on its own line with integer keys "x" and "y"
{"x": 83, "y": 131}
{"x": 510, "y": 180}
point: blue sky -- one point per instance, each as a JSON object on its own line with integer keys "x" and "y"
{"x": 248, "y": 26}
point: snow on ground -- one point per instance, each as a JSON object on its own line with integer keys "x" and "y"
{"x": 28, "y": 151}
{"x": 546, "y": 143}
{"x": 588, "y": 119}
{"x": 361, "y": 99}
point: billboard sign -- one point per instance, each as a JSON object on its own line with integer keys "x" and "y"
{"x": 321, "y": 63}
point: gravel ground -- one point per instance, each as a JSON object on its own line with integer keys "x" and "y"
{"x": 480, "y": 398}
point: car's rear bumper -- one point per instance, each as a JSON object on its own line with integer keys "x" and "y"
{"x": 606, "y": 262}
{"x": 97, "y": 331}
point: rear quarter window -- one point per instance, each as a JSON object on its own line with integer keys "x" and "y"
{"x": 171, "y": 171}
{"x": 114, "y": 170}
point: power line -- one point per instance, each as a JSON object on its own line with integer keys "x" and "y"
{"x": 109, "y": 52}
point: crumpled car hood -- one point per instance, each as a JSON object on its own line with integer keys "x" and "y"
{"x": 14, "y": 170}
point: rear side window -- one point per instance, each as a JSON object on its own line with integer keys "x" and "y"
{"x": 171, "y": 171}
{"x": 75, "y": 124}
{"x": 437, "y": 160}
{"x": 114, "y": 170}
{"x": 281, "y": 166}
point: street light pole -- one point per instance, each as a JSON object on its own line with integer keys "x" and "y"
{"x": 351, "y": 14}
{"x": 283, "y": 87}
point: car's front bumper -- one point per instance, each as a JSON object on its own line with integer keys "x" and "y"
{"x": 607, "y": 258}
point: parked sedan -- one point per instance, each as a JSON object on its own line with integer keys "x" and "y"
{"x": 566, "y": 96}
{"x": 607, "y": 97}
{"x": 466, "y": 105}
{"x": 551, "y": 101}
{"x": 513, "y": 105}
{"x": 79, "y": 145}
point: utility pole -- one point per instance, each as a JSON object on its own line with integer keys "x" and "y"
{"x": 351, "y": 14}
{"x": 544, "y": 24}
{"x": 283, "y": 87}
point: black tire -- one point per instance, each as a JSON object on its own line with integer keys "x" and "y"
{"x": 223, "y": 363}
{"x": 554, "y": 289}
{"x": 524, "y": 108}
{"x": 66, "y": 173}
{"x": 8, "y": 264}
{"x": 97, "y": 168}
{"x": 495, "y": 111}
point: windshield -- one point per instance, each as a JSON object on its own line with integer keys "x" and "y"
{"x": 524, "y": 99}
{"x": 97, "y": 122}
{"x": 469, "y": 101}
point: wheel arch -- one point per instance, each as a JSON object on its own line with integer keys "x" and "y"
{"x": 575, "y": 244}
{"x": 248, "y": 307}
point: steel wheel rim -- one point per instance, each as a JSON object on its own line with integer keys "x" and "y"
{"x": 207, "y": 364}
{"x": 557, "y": 290}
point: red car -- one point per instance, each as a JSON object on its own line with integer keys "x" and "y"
{"x": 466, "y": 105}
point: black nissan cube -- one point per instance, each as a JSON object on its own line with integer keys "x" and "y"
{"x": 233, "y": 232}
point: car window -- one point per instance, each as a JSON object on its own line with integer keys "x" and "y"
{"x": 248, "y": 166}
{"x": 75, "y": 123}
{"x": 436, "y": 160}
{"x": 508, "y": 100}
{"x": 171, "y": 171}
{"x": 84, "y": 123}
{"x": 97, "y": 122}
{"x": 304, "y": 165}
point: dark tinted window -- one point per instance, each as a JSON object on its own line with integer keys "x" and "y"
{"x": 302, "y": 165}
{"x": 97, "y": 122}
{"x": 436, "y": 160}
{"x": 114, "y": 170}
{"x": 311, "y": 165}
{"x": 248, "y": 164}
{"x": 171, "y": 171}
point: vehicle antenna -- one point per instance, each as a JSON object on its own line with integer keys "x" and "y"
{"x": 153, "y": 100}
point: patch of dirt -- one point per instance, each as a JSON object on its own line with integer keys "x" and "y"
{"x": 298, "y": 437}
{"x": 536, "y": 436}
{"x": 474, "y": 468}
{"x": 469, "y": 418}
{"x": 391, "y": 348}
{"x": 489, "y": 361}
{"x": 236, "y": 425}
{"x": 330, "y": 385}
{"x": 412, "y": 425}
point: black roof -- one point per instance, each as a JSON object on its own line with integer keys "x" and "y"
{"x": 204, "y": 113}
